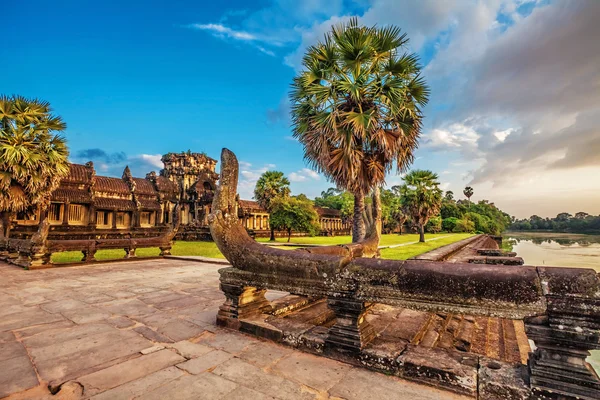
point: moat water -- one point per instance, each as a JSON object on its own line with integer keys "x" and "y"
{"x": 558, "y": 250}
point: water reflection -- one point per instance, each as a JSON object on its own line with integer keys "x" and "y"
{"x": 557, "y": 249}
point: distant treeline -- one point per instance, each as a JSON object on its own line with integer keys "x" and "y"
{"x": 452, "y": 216}
{"x": 564, "y": 222}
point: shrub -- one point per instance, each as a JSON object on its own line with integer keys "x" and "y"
{"x": 448, "y": 224}
{"x": 434, "y": 225}
{"x": 464, "y": 225}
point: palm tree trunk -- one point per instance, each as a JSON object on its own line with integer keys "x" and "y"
{"x": 272, "y": 239}
{"x": 422, "y": 233}
{"x": 5, "y": 217}
{"x": 358, "y": 222}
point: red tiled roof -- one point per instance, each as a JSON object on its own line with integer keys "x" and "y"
{"x": 111, "y": 185}
{"x": 328, "y": 212}
{"x": 149, "y": 204}
{"x": 78, "y": 174}
{"x": 105, "y": 203}
{"x": 250, "y": 205}
{"x": 144, "y": 186}
{"x": 71, "y": 195}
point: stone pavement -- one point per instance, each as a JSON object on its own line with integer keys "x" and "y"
{"x": 146, "y": 329}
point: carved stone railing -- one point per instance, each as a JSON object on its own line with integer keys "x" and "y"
{"x": 561, "y": 306}
{"x": 34, "y": 251}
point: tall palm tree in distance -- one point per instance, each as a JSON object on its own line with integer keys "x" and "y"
{"x": 468, "y": 192}
{"x": 357, "y": 108}
{"x": 422, "y": 197}
{"x": 271, "y": 185}
{"x": 33, "y": 158}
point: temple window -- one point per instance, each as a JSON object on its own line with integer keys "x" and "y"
{"x": 27, "y": 217}
{"x": 146, "y": 218}
{"x": 77, "y": 214}
{"x": 103, "y": 219}
{"x": 55, "y": 212}
{"x": 123, "y": 220}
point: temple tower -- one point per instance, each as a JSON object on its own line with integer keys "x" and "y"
{"x": 195, "y": 177}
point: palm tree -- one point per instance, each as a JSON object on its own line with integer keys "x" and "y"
{"x": 422, "y": 197}
{"x": 271, "y": 185}
{"x": 33, "y": 159}
{"x": 468, "y": 192}
{"x": 356, "y": 108}
{"x": 449, "y": 195}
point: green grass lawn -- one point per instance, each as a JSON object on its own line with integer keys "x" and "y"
{"x": 209, "y": 249}
{"x": 386, "y": 240}
{"x": 411, "y": 250}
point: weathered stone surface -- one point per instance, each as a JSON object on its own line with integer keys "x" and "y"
{"x": 127, "y": 371}
{"x": 450, "y": 369}
{"x": 234, "y": 342}
{"x": 205, "y": 362}
{"x": 204, "y": 386}
{"x": 316, "y": 372}
{"x": 17, "y": 375}
{"x": 63, "y": 305}
{"x": 152, "y": 335}
{"x": 263, "y": 354}
{"x": 503, "y": 381}
{"x": 250, "y": 376}
{"x": 189, "y": 349}
{"x": 152, "y": 349}
{"x": 360, "y": 384}
{"x": 142, "y": 385}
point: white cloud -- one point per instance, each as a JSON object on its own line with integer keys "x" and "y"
{"x": 248, "y": 177}
{"x": 304, "y": 175}
{"x": 220, "y": 29}
{"x": 152, "y": 159}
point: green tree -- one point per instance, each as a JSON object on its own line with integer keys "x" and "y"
{"x": 33, "y": 157}
{"x": 449, "y": 195}
{"x": 422, "y": 197}
{"x": 338, "y": 200}
{"x": 294, "y": 214}
{"x": 356, "y": 108}
{"x": 270, "y": 186}
{"x": 468, "y": 192}
{"x": 434, "y": 225}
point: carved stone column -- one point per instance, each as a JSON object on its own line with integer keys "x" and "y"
{"x": 89, "y": 255}
{"x": 351, "y": 331}
{"x": 564, "y": 337}
{"x": 240, "y": 302}
{"x": 130, "y": 252}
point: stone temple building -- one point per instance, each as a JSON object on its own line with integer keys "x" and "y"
{"x": 85, "y": 200}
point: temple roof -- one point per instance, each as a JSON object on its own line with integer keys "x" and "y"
{"x": 78, "y": 173}
{"x": 71, "y": 195}
{"x": 144, "y": 186}
{"x": 250, "y": 205}
{"x": 328, "y": 212}
{"x": 147, "y": 204}
{"x": 111, "y": 185}
{"x": 106, "y": 203}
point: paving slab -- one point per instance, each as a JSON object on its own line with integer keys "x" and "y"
{"x": 77, "y": 324}
{"x": 128, "y": 371}
{"x": 205, "y": 386}
{"x": 248, "y": 375}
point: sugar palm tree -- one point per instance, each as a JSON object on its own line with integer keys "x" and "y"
{"x": 468, "y": 192}
{"x": 356, "y": 108}
{"x": 422, "y": 197}
{"x": 33, "y": 158}
{"x": 271, "y": 185}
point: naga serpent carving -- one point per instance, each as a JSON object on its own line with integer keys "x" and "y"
{"x": 560, "y": 306}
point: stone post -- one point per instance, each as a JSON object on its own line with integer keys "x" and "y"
{"x": 351, "y": 331}
{"x": 240, "y": 302}
{"x": 65, "y": 220}
{"x": 565, "y": 335}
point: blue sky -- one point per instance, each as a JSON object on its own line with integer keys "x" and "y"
{"x": 136, "y": 79}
